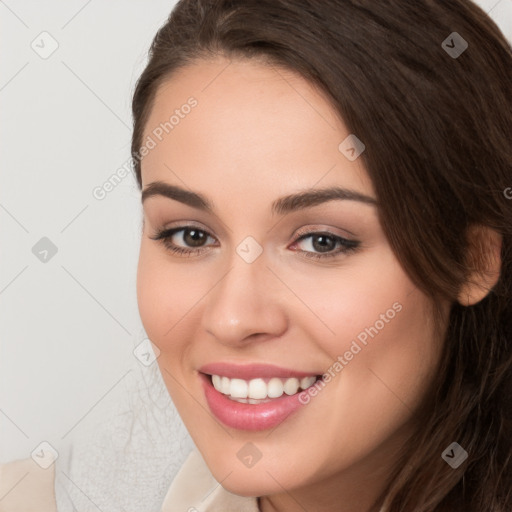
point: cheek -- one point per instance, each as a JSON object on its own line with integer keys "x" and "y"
{"x": 149, "y": 297}
{"x": 161, "y": 295}
{"x": 377, "y": 330}
{"x": 168, "y": 295}
{"x": 356, "y": 302}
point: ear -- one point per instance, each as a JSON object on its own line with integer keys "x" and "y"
{"x": 484, "y": 264}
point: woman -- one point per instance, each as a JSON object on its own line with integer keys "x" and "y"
{"x": 325, "y": 264}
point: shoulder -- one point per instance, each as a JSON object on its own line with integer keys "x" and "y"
{"x": 195, "y": 489}
{"x": 26, "y": 487}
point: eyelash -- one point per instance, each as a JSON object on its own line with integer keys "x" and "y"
{"x": 347, "y": 246}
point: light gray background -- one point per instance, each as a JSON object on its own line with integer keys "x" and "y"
{"x": 69, "y": 325}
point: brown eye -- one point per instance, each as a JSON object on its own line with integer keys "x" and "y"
{"x": 325, "y": 245}
{"x": 194, "y": 237}
{"x": 186, "y": 240}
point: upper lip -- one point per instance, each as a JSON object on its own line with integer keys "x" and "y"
{"x": 251, "y": 371}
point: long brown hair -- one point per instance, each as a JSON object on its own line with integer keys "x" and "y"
{"x": 437, "y": 129}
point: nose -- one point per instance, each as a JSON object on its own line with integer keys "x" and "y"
{"x": 246, "y": 305}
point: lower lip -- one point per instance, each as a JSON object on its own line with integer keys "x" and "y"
{"x": 249, "y": 416}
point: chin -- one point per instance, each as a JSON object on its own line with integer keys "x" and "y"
{"x": 248, "y": 484}
{"x": 263, "y": 479}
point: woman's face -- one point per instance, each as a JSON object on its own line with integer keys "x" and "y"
{"x": 284, "y": 282}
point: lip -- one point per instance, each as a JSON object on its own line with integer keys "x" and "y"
{"x": 253, "y": 417}
{"x": 251, "y": 371}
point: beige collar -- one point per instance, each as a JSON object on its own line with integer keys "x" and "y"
{"x": 26, "y": 487}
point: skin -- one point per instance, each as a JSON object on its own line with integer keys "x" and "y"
{"x": 259, "y": 133}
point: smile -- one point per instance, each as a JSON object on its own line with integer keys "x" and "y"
{"x": 253, "y": 397}
{"x": 256, "y": 390}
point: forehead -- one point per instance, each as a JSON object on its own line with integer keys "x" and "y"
{"x": 250, "y": 121}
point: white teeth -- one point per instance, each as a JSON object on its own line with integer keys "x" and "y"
{"x": 291, "y": 386}
{"x": 247, "y": 400}
{"x": 306, "y": 382}
{"x": 257, "y": 389}
{"x": 275, "y": 388}
{"x": 216, "y": 381}
{"x": 238, "y": 388}
{"x": 224, "y": 385}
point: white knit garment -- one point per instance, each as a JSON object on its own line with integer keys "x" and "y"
{"x": 126, "y": 460}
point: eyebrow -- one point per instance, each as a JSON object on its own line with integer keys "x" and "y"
{"x": 304, "y": 199}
